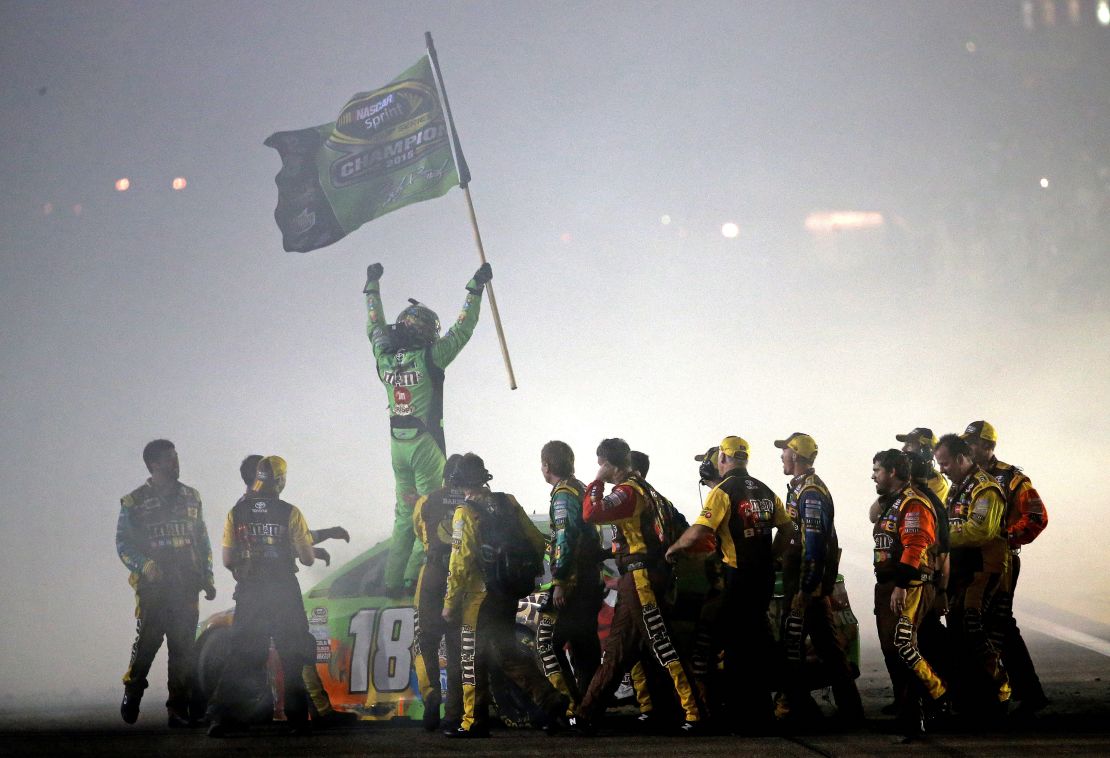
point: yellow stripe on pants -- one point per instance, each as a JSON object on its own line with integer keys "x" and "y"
{"x": 661, "y": 645}
{"x": 905, "y": 640}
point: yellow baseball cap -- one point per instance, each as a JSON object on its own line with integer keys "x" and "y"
{"x": 802, "y": 444}
{"x": 980, "y": 430}
{"x": 922, "y": 435}
{"x": 270, "y": 475}
{"x": 735, "y": 447}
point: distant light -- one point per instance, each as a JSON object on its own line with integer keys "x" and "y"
{"x": 77, "y": 209}
{"x": 565, "y": 237}
{"x": 1027, "y": 14}
{"x": 1044, "y": 182}
{"x": 665, "y": 220}
{"x": 970, "y": 47}
{"x": 47, "y": 209}
{"x": 122, "y": 185}
{"x": 831, "y": 221}
{"x": 1048, "y": 12}
{"x": 179, "y": 183}
{"x": 730, "y": 230}
{"x": 1104, "y": 12}
{"x": 1073, "y": 12}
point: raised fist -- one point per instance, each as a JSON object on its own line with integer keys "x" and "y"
{"x": 373, "y": 274}
{"x": 483, "y": 274}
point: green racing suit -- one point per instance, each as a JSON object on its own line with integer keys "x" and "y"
{"x": 413, "y": 381}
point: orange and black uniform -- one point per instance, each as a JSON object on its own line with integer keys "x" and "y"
{"x": 742, "y": 511}
{"x": 262, "y": 530}
{"x": 904, "y": 537}
{"x": 1026, "y": 517}
{"x": 809, "y": 566}
{"x": 432, "y": 521}
{"x": 980, "y": 565}
{"x": 168, "y": 530}
{"x": 638, "y": 618}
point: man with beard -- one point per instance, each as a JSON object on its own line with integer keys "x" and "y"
{"x": 903, "y": 534}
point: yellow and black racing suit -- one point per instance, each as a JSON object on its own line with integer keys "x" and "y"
{"x": 638, "y": 618}
{"x": 264, "y": 533}
{"x": 904, "y": 535}
{"x": 980, "y": 566}
{"x": 742, "y": 511}
{"x": 167, "y": 531}
{"x": 488, "y": 617}
{"x": 1026, "y": 517}
{"x": 432, "y": 521}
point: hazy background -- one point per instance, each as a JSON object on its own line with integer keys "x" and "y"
{"x": 977, "y": 130}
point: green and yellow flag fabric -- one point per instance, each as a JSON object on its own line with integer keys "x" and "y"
{"x": 387, "y": 149}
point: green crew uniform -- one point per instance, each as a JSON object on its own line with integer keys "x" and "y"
{"x": 413, "y": 381}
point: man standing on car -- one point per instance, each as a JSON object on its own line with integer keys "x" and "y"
{"x": 638, "y": 618}
{"x": 741, "y": 512}
{"x": 809, "y": 568}
{"x": 161, "y": 537}
{"x": 1026, "y": 518}
{"x": 486, "y": 611}
{"x": 574, "y": 551}
{"x": 432, "y": 521}
{"x": 263, "y": 536}
{"x": 411, "y": 358}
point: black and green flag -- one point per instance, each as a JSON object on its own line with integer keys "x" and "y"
{"x": 387, "y": 149}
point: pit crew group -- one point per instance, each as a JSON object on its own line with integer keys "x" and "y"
{"x": 940, "y": 551}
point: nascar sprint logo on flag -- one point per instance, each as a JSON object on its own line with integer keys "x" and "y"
{"x": 391, "y": 128}
{"x": 389, "y": 148}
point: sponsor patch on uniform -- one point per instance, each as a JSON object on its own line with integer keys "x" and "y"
{"x": 457, "y": 530}
{"x": 980, "y": 509}
{"x": 319, "y": 616}
{"x": 912, "y": 521}
{"x": 707, "y": 514}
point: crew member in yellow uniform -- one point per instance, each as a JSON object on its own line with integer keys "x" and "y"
{"x": 980, "y": 565}
{"x": 638, "y": 617}
{"x": 479, "y": 596}
{"x": 432, "y": 520}
{"x": 263, "y": 536}
{"x": 1026, "y": 517}
{"x": 903, "y": 534}
{"x": 742, "y": 511}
